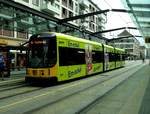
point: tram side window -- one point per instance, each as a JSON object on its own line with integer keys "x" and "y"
{"x": 62, "y": 56}
{"x": 52, "y": 52}
{"x": 97, "y": 57}
{"x": 71, "y": 56}
{"x": 111, "y": 57}
{"x": 123, "y": 57}
{"x": 117, "y": 57}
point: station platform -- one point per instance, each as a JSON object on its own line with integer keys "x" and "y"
{"x": 15, "y": 74}
{"x": 132, "y": 96}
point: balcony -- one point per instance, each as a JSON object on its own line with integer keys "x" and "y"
{"x": 27, "y": 21}
{"x": 84, "y": 4}
{"x": 64, "y": 3}
{"x": 50, "y": 8}
{"x": 71, "y": 4}
{"x": 4, "y": 32}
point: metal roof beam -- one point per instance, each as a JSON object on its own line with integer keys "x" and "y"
{"x": 113, "y": 30}
{"x": 109, "y": 40}
{"x": 131, "y": 8}
{"x": 141, "y": 5}
{"x": 91, "y": 14}
{"x": 142, "y": 13}
{"x": 36, "y": 13}
{"x": 82, "y": 16}
{"x": 121, "y": 10}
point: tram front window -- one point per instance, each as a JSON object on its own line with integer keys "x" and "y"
{"x": 42, "y": 54}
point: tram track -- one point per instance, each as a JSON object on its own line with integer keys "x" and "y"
{"x": 12, "y": 87}
{"x": 11, "y": 82}
{"x": 15, "y": 89}
{"x": 55, "y": 94}
{"x": 19, "y": 93}
{"x": 77, "y": 92}
{"x": 90, "y": 106}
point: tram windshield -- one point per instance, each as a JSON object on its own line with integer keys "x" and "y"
{"x": 42, "y": 53}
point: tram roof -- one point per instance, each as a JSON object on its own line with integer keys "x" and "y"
{"x": 108, "y": 46}
{"x": 68, "y": 37}
{"x": 119, "y": 49}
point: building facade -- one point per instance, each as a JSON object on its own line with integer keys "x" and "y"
{"x": 25, "y": 24}
{"x": 17, "y": 26}
{"x": 130, "y": 44}
{"x": 67, "y": 8}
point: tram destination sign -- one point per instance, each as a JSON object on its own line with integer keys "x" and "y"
{"x": 38, "y": 42}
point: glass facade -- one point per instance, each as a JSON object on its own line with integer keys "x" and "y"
{"x": 18, "y": 24}
{"x": 140, "y": 14}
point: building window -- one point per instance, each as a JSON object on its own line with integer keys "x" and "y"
{"x": 96, "y": 20}
{"x": 93, "y": 9}
{"x": 121, "y": 45}
{"x": 129, "y": 50}
{"x": 76, "y": 7}
{"x": 35, "y": 2}
{"x": 90, "y": 25}
{"x": 7, "y": 29}
{"x": 129, "y": 45}
{"x": 70, "y": 14}
{"x": 71, "y": 4}
{"x": 64, "y": 2}
{"x": 57, "y": 6}
{"x": 64, "y": 12}
{"x": 90, "y": 7}
{"x": 93, "y": 27}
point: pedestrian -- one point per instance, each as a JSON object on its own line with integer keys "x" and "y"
{"x": 2, "y": 66}
{"x": 143, "y": 60}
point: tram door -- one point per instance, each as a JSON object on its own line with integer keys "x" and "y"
{"x": 5, "y": 52}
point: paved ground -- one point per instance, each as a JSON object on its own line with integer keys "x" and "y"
{"x": 131, "y": 97}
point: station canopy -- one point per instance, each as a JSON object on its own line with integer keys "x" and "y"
{"x": 140, "y": 13}
{"x": 23, "y": 19}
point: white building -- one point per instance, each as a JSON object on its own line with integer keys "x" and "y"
{"x": 130, "y": 44}
{"x": 68, "y": 8}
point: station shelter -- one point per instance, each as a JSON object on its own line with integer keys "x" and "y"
{"x": 14, "y": 55}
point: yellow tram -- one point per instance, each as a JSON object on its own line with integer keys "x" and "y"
{"x": 60, "y": 57}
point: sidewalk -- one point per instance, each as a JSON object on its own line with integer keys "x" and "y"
{"x": 16, "y": 72}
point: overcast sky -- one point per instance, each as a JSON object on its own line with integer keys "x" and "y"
{"x": 116, "y": 19}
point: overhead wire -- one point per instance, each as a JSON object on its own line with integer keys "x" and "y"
{"x": 117, "y": 14}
